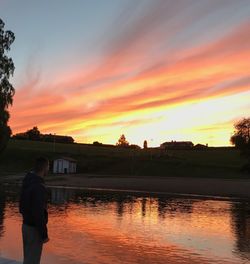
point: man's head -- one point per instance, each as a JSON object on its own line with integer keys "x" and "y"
{"x": 41, "y": 166}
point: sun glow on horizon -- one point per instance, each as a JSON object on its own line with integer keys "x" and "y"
{"x": 199, "y": 122}
{"x": 154, "y": 71}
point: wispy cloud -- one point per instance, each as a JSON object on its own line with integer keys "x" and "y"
{"x": 144, "y": 68}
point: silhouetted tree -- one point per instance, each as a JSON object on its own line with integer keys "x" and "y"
{"x": 241, "y": 137}
{"x": 34, "y": 133}
{"x": 238, "y": 141}
{"x": 241, "y": 140}
{"x": 122, "y": 142}
{"x": 145, "y": 144}
{"x": 6, "y": 89}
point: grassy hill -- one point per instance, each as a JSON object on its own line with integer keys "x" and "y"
{"x": 213, "y": 162}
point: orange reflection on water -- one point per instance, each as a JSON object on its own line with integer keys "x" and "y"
{"x": 138, "y": 233}
{"x": 136, "y": 230}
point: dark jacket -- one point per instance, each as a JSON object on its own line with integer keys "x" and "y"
{"x": 33, "y": 203}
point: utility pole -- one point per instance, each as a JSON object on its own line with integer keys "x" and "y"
{"x": 54, "y": 145}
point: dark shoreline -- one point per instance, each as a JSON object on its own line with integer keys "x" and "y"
{"x": 210, "y": 187}
{"x": 186, "y": 187}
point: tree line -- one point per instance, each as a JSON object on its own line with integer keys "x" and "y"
{"x": 35, "y": 135}
{"x": 6, "y": 89}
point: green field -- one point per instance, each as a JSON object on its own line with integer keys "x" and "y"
{"x": 213, "y": 162}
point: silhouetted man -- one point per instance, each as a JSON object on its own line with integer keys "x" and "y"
{"x": 33, "y": 207}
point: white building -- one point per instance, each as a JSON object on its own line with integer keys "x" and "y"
{"x": 64, "y": 165}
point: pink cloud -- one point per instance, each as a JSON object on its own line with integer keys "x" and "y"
{"x": 53, "y": 105}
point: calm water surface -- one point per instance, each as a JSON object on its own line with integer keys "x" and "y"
{"x": 107, "y": 227}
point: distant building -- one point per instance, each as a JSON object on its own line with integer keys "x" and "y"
{"x": 177, "y": 145}
{"x": 64, "y": 165}
{"x": 201, "y": 146}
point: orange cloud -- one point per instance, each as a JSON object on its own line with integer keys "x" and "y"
{"x": 120, "y": 87}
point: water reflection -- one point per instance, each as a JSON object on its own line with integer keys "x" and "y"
{"x": 165, "y": 206}
{"x": 61, "y": 195}
{"x": 241, "y": 227}
{"x": 109, "y": 227}
{"x": 171, "y": 207}
{"x": 2, "y": 210}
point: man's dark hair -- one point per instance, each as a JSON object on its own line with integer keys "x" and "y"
{"x": 40, "y": 164}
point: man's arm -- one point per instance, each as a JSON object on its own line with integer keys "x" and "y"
{"x": 38, "y": 208}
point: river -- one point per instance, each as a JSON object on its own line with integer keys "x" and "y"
{"x": 87, "y": 226}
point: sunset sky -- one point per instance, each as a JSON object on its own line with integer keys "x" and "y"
{"x": 158, "y": 70}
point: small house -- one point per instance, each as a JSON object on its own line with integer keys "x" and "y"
{"x": 177, "y": 145}
{"x": 64, "y": 165}
{"x": 201, "y": 146}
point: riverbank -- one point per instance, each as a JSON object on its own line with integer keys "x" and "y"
{"x": 114, "y": 161}
{"x": 178, "y": 185}
{"x": 238, "y": 188}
